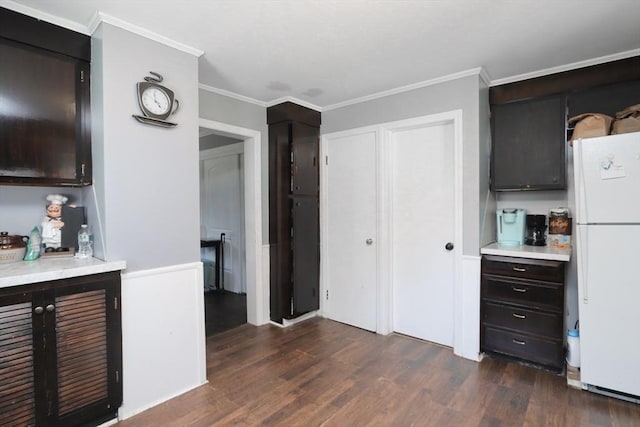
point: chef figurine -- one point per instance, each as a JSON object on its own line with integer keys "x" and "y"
{"x": 52, "y": 223}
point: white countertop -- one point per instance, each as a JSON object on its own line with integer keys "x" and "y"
{"x": 526, "y": 251}
{"x": 45, "y": 269}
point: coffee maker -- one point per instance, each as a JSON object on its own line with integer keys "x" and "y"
{"x": 511, "y": 226}
{"x": 536, "y": 226}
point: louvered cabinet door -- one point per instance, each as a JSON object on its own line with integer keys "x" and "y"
{"x": 81, "y": 337}
{"x": 87, "y": 364}
{"x": 17, "y": 390}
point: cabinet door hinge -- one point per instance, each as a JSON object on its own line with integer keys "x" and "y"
{"x": 326, "y": 160}
{"x": 115, "y": 303}
{"x": 82, "y": 167}
{"x": 81, "y": 76}
{"x": 327, "y": 294}
{"x": 117, "y": 376}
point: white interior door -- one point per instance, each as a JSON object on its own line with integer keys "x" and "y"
{"x": 422, "y": 224}
{"x": 222, "y": 210}
{"x": 350, "y": 244}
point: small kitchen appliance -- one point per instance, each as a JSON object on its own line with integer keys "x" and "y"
{"x": 536, "y": 226}
{"x": 511, "y": 226}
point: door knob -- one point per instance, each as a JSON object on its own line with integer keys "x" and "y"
{"x": 38, "y": 310}
{"x": 369, "y": 242}
{"x": 449, "y": 246}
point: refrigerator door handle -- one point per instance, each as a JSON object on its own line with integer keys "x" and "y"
{"x": 581, "y": 214}
{"x": 583, "y": 247}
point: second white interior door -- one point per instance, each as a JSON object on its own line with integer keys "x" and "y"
{"x": 423, "y": 203}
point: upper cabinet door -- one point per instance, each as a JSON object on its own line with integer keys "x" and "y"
{"x": 45, "y": 135}
{"x": 304, "y": 159}
{"x": 529, "y": 145}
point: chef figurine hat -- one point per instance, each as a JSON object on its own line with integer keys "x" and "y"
{"x": 57, "y": 199}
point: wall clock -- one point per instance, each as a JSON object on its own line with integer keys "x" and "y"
{"x": 157, "y": 102}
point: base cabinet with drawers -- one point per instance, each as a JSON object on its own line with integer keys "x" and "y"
{"x": 61, "y": 352}
{"x": 522, "y": 309}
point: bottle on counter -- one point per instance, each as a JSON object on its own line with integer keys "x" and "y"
{"x": 85, "y": 248}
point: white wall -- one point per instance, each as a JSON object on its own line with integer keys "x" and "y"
{"x": 147, "y": 187}
{"x": 150, "y": 182}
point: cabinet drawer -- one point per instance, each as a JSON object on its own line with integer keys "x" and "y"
{"x": 520, "y": 319}
{"x": 549, "y": 271}
{"x": 530, "y": 294}
{"x": 534, "y": 349}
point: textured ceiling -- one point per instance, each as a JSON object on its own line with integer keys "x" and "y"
{"x": 328, "y": 52}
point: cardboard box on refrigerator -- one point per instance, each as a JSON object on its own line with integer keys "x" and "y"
{"x": 590, "y": 125}
{"x": 627, "y": 120}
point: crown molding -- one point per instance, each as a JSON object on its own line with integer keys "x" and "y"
{"x": 295, "y": 101}
{"x": 407, "y": 88}
{"x": 567, "y": 67}
{"x": 484, "y": 75}
{"x": 233, "y": 95}
{"x": 43, "y": 16}
{"x": 101, "y": 17}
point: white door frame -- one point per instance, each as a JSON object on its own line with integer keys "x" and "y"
{"x": 384, "y": 130}
{"x": 257, "y": 284}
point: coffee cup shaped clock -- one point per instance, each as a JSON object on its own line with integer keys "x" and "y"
{"x": 156, "y": 101}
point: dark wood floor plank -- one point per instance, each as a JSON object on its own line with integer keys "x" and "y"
{"x": 323, "y": 373}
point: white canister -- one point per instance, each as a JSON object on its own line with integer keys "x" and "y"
{"x": 573, "y": 348}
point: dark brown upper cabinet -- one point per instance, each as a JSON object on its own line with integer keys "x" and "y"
{"x": 528, "y": 120}
{"x": 45, "y": 135}
{"x": 529, "y": 145}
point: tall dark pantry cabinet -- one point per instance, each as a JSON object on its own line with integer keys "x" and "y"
{"x": 294, "y": 235}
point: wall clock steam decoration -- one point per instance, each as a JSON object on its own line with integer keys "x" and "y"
{"x": 156, "y": 101}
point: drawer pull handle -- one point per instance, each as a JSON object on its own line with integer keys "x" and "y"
{"x": 520, "y": 269}
{"x": 519, "y": 316}
{"x": 519, "y": 342}
{"x": 523, "y": 290}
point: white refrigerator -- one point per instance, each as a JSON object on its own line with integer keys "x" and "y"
{"x": 607, "y": 217}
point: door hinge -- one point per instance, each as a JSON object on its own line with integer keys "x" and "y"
{"x": 115, "y": 303}
{"x": 327, "y": 295}
{"x": 82, "y": 170}
{"x": 81, "y": 76}
{"x": 326, "y": 160}
{"x": 117, "y": 376}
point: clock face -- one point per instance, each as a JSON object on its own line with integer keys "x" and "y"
{"x": 156, "y": 101}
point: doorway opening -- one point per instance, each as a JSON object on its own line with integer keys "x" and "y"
{"x": 243, "y": 255}
{"x": 222, "y": 234}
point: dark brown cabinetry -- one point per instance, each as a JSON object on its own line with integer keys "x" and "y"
{"x": 61, "y": 352}
{"x": 529, "y": 145}
{"x": 293, "y": 210}
{"x": 522, "y": 309}
{"x": 528, "y": 120}
{"x": 45, "y": 123}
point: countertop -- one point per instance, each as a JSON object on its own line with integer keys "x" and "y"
{"x": 45, "y": 269}
{"x": 526, "y": 251}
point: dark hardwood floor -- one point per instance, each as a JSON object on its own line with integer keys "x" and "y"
{"x": 224, "y": 310}
{"x": 323, "y": 373}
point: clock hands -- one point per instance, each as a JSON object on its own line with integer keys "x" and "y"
{"x": 155, "y": 100}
